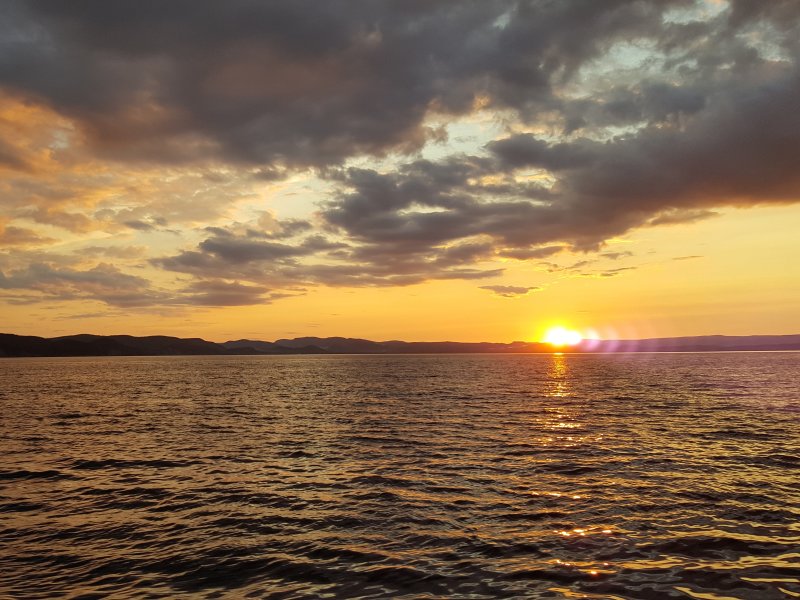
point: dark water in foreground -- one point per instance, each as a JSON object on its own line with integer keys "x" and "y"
{"x": 538, "y": 476}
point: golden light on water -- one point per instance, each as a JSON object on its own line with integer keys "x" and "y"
{"x": 561, "y": 336}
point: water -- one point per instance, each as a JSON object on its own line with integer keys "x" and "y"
{"x": 537, "y": 476}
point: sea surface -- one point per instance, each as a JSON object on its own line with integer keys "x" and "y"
{"x": 641, "y": 476}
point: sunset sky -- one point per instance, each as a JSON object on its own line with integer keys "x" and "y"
{"x": 467, "y": 171}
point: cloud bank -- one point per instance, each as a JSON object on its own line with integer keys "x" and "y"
{"x": 157, "y": 119}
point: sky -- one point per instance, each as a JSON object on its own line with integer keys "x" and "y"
{"x": 470, "y": 170}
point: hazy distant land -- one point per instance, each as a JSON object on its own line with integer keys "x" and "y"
{"x": 126, "y": 345}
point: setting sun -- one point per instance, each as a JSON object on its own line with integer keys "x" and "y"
{"x": 561, "y": 336}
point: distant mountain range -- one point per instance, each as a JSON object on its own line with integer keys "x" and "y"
{"x": 159, "y": 345}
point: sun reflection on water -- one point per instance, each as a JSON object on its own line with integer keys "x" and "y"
{"x": 557, "y": 377}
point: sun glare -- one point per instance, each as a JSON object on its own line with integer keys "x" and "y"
{"x": 561, "y": 336}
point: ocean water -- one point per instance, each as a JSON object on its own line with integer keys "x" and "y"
{"x": 644, "y": 476}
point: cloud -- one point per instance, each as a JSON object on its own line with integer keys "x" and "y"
{"x": 120, "y": 252}
{"x": 531, "y": 253}
{"x": 103, "y": 282}
{"x": 20, "y": 236}
{"x": 681, "y": 217}
{"x": 609, "y": 272}
{"x": 293, "y": 82}
{"x": 434, "y": 203}
{"x": 239, "y": 253}
{"x": 71, "y": 221}
{"x": 509, "y": 291}
{"x": 616, "y": 255}
{"x": 82, "y": 316}
{"x": 736, "y": 151}
{"x": 235, "y": 250}
{"x": 223, "y": 293}
{"x": 139, "y": 225}
{"x": 106, "y": 283}
{"x": 611, "y": 116}
{"x": 11, "y": 157}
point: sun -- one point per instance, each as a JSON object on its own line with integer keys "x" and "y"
{"x": 561, "y": 336}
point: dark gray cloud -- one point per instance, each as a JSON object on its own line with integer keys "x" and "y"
{"x": 615, "y": 272}
{"x": 11, "y": 157}
{"x": 509, "y": 291}
{"x": 21, "y": 236}
{"x": 430, "y": 219}
{"x": 616, "y": 255}
{"x": 231, "y": 249}
{"x": 139, "y": 225}
{"x": 531, "y": 253}
{"x": 738, "y": 151}
{"x": 267, "y": 228}
{"x": 223, "y": 293}
{"x": 103, "y": 282}
{"x": 106, "y": 283}
{"x": 82, "y": 316}
{"x": 71, "y": 221}
{"x": 298, "y": 82}
{"x": 646, "y": 113}
{"x": 436, "y": 203}
{"x": 229, "y": 254}
{"x": 372, "y": 274}
{"x": 681, "y": 216}
{"x": 288, "y": 228}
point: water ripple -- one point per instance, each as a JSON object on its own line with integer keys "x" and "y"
{"x": 565, "y": 476}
